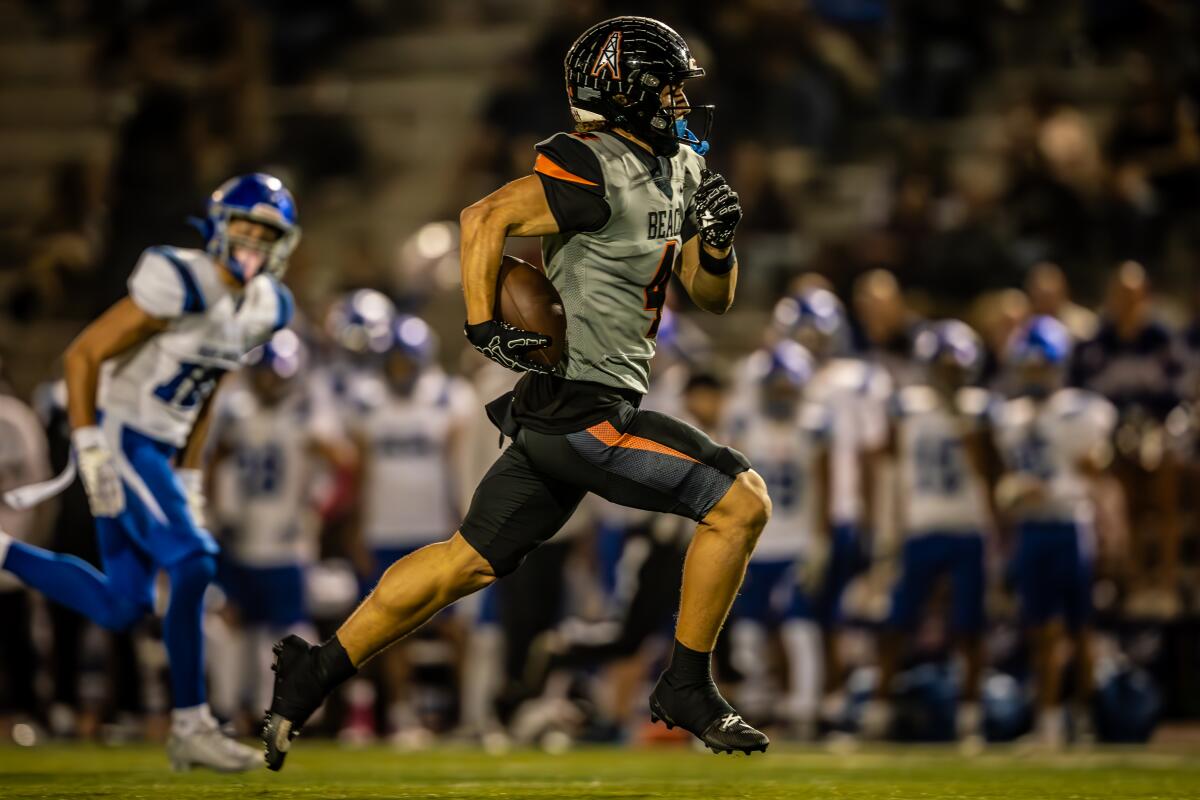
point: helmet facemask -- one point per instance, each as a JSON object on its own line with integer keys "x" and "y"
{"x": 241, "y": 253}
{"x": 662, "y": 125}
{"x": 671, "y": 122}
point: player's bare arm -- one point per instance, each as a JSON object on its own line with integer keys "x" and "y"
{"x": 713, "y": 293}
{"x": 123, "y": 326}
{"x": 816, "y": 565}
{"x": 708, "y": 267}
{"x": 985, "y": 461}
{"x": 355, "y": 541}
{"x": 119, "y": 329}
{"x": 339, "y": 454}
{"x": 872, "y": 466}
{"x": 518, "y": 208}
{"x": 192, "y": 454}
{"x": 189, "y": 467}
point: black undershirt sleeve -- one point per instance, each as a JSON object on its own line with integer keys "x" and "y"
{"x": 573, "y": 182}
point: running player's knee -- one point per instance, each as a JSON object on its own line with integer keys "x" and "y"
{"x": 756, "y": 503}
{"x": 471, "y": 571}
{"x": 193, "y": 574}
{"x": 120, "y": 614}
{"x": 744, "y": 510}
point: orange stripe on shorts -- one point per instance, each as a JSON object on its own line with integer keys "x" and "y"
{"x": 607, "y": 434}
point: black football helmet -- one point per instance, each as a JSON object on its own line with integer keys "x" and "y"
{"x": 615, "y": 75}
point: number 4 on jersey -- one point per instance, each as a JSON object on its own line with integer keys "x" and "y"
{"x": 656, "y": 291}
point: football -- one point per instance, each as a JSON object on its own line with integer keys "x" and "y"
{"x": 526, "y": 298}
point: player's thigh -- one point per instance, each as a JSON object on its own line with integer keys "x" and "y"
{"x": 918, "y": 574}
{"x": 1036, "y": 574}
{"x": 516, "y": 508}
{"x": 154, "y": 495}
{"x": 1078, "y": 571}
{"x": 642, "y": 459}
{"x": 967, "y": 584}
{"x": 126, "y": 565}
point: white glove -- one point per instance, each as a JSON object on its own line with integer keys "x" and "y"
{"x": 193, "y": 489}
{"x": 101, "y": 481}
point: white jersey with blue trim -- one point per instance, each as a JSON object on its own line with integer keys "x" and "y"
{"x": 1047, "y": 440}
{"x": 855, "y": 393}
{"x": 786, "y": 453}
{"x": 410, "y": 493}
{"x": 264, "y": 498}
{"x": 939, "y": 489}
{"x": 159, "y": 387}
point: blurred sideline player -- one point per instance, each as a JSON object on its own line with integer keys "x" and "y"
{"x": 620, "y": 204}
{"x": 1053, "y": 441}
{"x": 359, "y": 324}
{"x": 24, "y": 459}
{"x": 140, "y": 381}
{"x": 939, "y": 438}
{"x": 789, "y": 441}
{"x": 358, "y": 331}
{"x": 480, "y": 682}
{"x": 410, "y": 425}
{"x": 271, "y": 438}
{"x": 854, "y": 393}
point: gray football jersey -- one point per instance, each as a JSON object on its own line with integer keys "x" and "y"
{"x": 613, "y": 281}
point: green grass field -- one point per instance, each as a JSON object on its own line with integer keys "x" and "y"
{"x": 325, "y": 771}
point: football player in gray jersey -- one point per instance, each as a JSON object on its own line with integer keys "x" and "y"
{"x": 620, "y": 204}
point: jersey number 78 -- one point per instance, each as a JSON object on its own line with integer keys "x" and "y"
{"x": 192, "y": 384}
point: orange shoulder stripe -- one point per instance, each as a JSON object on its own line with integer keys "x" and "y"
{"x": 547, "y": 167}
{"x": 606, "y": 433}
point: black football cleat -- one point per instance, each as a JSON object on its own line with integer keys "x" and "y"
{"x": 297, "y": 695}
{"x": 721, "y": 730}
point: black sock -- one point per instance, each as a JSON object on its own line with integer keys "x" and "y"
{"x": 692, "y": 700}
{"x": 332, "y": 664}
{"x": 689, "y": 666}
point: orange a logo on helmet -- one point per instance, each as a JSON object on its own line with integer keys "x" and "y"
{"x": 610, "y": 57}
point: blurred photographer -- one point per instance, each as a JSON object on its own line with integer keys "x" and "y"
{"x": 1135, "y": 361}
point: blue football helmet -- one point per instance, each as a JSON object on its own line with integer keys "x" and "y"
{"x": 816, "y": 318}
{"x": 1127, "y": 706}
{"x": 284, "y": 355}
{"x": 361, "y": 322}
{"x": 1041, "y": 341}
{"x": 1007, "y": 711}
{"x": 258, "y": 197}
{"x": 786, "y": 361}
{"x": 950, "y": 341}
{"x": 412, "y": 337}
{"x": 781, "y": 372}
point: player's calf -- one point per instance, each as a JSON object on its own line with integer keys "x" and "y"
{"x": 716, "y": 563}
{"x": 411, "y": 591}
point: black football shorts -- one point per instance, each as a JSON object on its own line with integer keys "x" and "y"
{"x": 640, "y": 459}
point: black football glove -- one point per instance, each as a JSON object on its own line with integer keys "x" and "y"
{"x": 507, "y": 344}
{"x": 716, "y": 210}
